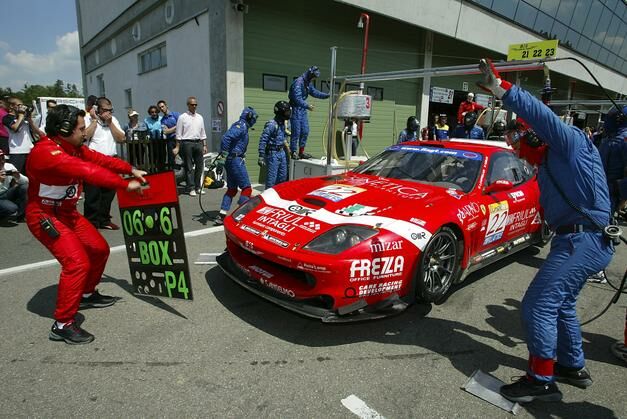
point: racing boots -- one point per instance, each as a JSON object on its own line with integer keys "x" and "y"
{"x": 578, "y": 377}
{"x": 219, "y": 220}
{"x": 294, "y": 155}
{"x": 97, "y": 300}
{"x": 71, "y": 333}
{"x": 305, "y": 156}
{"x": 528, "y": 389}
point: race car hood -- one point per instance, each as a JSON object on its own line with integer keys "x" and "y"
{"x": 315, "y": 205}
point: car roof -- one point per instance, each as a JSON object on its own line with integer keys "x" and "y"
{"x": 484, "y": 147}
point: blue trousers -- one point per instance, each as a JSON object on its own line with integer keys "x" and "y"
{"x": 236, "y": 177}
{"x": 300, "y": 129}
{"x": 548, "y": 307}
{"x": 276, "y": 163}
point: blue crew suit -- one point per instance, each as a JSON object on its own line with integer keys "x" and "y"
{"x": 407, "y": 135}
{"x": 474, "y": 133}
{"x": 272, "y": 150}
{"x": 300, "y": 89}
{"x": 548, "y": 307}
{"x": 234, "y": 144}
{"x": 613, "y": 151}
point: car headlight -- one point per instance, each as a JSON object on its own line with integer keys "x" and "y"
{"x": 251, "y": 204}
{"x": 339, "y": 239}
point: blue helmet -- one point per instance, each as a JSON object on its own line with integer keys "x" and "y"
{"x": 312, "y": 72}
{"x": 615, "y": 120}
{"x": 249, "y": 115}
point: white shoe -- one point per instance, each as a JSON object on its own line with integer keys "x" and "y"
{"x": 201, "y": 192}
{"x": 192, "y": 193}
{"x": 598, "y": 278}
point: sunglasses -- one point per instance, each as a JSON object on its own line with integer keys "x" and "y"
{"x": 192, "y": 104}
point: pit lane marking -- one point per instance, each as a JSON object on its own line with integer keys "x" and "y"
{"x": 114, "y": 249}
{"x": 360, "y": 408}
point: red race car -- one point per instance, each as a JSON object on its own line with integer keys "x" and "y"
{"x": 403, "y": 226}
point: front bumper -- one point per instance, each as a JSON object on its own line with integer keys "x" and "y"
{"x": 357, "y": 311}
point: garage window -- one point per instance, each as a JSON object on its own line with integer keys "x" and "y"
{"x": 274, "y": 83}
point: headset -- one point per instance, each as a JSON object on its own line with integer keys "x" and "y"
{"x": 69, "y": 117}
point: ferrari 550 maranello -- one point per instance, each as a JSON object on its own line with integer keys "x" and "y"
{"x": 404, "y": 226}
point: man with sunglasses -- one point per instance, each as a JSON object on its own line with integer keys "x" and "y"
{"x": 191, "y": 141}
{"x": 574, "y": 197}
{"x": 103, "y": 132}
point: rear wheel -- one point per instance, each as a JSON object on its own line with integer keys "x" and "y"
{"x": 439, "y": 265}
{"x": 546, "y": 234}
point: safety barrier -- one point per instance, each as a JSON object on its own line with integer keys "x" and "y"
{"x": 145, "y": 153}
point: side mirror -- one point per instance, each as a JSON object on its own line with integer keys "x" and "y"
{"x": 498, "y": 186}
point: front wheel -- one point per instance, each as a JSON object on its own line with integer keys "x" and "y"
{"x": 439, "y": 265}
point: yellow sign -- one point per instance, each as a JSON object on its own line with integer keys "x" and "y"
{"x": 532, "y": 50}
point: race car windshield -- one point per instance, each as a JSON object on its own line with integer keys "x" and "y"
{"x": 448, "y": 168}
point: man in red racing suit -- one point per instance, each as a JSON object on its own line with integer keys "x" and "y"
{"x": 57, "y": 166}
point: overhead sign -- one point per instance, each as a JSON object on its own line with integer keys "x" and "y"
{"x": 155, "y": 243}
{"x": 441, "y": 95}
{"x": 532, "y": 50}
{"x": 484, "y": 100}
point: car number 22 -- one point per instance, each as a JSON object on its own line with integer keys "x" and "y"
{"x": 497, "y": 222}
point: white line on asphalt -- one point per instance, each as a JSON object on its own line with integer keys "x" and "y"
{"x": 114, "y": 249}
{"x": 360, "y": 408}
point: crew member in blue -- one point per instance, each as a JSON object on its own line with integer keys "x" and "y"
{"x": 469, "y": 128}
{"x": 410, "y": 133}
{"x": 441, "y": 128}
{"x": 613, "y": 151}
{"x": 569, "y": 166}
{"x": 233, "y": 150}
{"x": 299, "y": 90}
{"x": 272, "y": 145}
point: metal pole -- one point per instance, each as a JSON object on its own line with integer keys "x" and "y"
{"x": 330, "y": 133}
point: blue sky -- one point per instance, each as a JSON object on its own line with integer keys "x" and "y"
{"x": 39, "y": 43}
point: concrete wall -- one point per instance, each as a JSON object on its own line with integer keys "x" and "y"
{"x": 95, "y": 15}
{"x": 187, "y": 73}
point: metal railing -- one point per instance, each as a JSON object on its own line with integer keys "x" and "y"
{"x": 145, "y": 153}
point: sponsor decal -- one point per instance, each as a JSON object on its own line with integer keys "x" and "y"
{"x": 418, "y": 221}
{"x": 275, "y": 240}
{"x": 304, "y": 266}
{"x": 284, "y": 221}
{"x": 468, "y": 211}
{"x": 277, "y": 288}
{"x": 284, "y": 259}
{"x": 537, "y": 219}
{"x": 337, "y": 192}
{"x": 249, "y": 229}
{"x": 350, "y": 292}
{"x": 300, "y": 210}
{"x": 239, "y": 217}
{"x": 356, "y": 210}
{"x": 482, "y": 209}
{"x": 439, "y": 151}
{"x": 520, "y": 219}
{"x": 454, "y": 193}
{"x": 260, "y": 271}
{"x": 376, "y": 268}
{"x": 379, "y": 246}
{"x": 521, "y": 240}
{"x": 379, "y": 288}
{"x": 421, "y": 235}
{"x": 389, "y": 186}
{"x": 472, "y": 226}
{"x": 517, "y": 196}
{"x": 497, "y": 221}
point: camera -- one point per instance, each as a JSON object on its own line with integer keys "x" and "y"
{"x": 26, "y": 110}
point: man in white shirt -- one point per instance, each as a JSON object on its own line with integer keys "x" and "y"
{"x": 103, "y": 132}
{"x": 13, "y": 187}
{"x": 21, "y": 129}
{"x": 191, "y": 140}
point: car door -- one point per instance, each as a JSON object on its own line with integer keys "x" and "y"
{"x": 511, "y": 208}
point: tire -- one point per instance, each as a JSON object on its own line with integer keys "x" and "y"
{"x": 545, "y": 235}
{"x": 439, "y": 266}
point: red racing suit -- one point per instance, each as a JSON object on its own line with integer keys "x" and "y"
{"x": 465, "y": 107}
{"x": 56, "y": 172}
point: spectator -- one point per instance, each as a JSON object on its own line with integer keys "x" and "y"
{"x": 89, "y": 103}
{"x": 59, "y": 165}
{"x": 133, "y": 125}
{"x": 133, "y": 132}
{"x": 168, "y": 126}
{"x": 50, "y": 103}
{"x": 469, "y": 129}
{"x": 272, "y": 145}
{"x": 157, "y": 145}
{"x": 441, "y": 127}
{"x": 568, "y": 166}
{"x": 13, "y": 186}
{"x": 469, "y": 105}
{"x": 4, "y": 133}
{"x": 19, "y": 122}
{"x": 233, "y": 149}
{"x": 103, "y": 133}
{"x": 191, "y": 140}
{"x": 299, "y": 90}
{"x": 410, "y": 133}
{"x": 153, "y": 123}
{"x": 613, "y": 151}
{"x": 428, "y": 132}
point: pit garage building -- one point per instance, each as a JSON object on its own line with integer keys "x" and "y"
{"x": 236, "y": 53}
